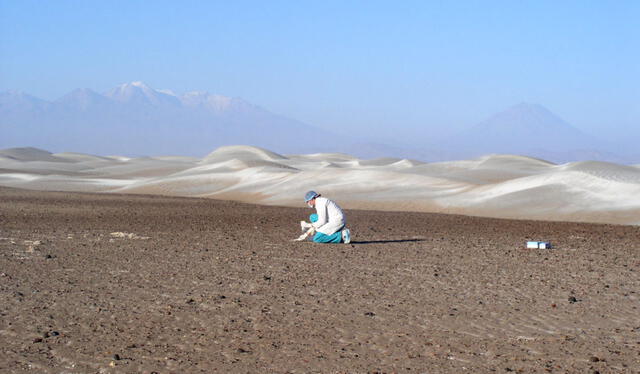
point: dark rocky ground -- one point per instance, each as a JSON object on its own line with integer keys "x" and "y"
{"x": 122, "y": 284}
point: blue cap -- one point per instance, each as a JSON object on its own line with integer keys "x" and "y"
{"x": 310, "y": 196}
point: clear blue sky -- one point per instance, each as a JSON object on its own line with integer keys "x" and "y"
{"x": 401, "y": 67}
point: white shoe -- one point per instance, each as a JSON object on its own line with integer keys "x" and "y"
{"x": 346, "y": 236}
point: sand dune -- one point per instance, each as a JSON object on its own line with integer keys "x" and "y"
{"x": 506, "y": 186}
{"x": 29, "y": 154}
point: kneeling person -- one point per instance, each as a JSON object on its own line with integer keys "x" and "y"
{"x": 329, "y": 220}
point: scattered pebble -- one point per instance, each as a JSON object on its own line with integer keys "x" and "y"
{"x": 572, "y": 299}
{"x": 32, "y": 245}
{"x": 50, "y": 334}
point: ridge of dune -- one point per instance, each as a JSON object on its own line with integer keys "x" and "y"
{"x": 380, "y": 161}
{"x": 80, "y": 157}
{"x": 119, "y": 158}
{"x": 407, "y": 163}
{"x": 29, "y": 154}
{"x": 512, "y": 162}
{"x": 186, "y": 159}
{"x": 509, "y": 186}
{"x": 605, "y": 170}
{"x": 330, "y": 157}
{"x": 241, "y": 152}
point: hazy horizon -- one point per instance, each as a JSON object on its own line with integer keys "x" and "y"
{"x": 390, "y": 71}
{"x": 134, "y": 119}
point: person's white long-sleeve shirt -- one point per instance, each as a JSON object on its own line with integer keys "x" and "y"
{"x": 330, "y": 216}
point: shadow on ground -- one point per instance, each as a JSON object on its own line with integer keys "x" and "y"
{"x": 386, "y": 241}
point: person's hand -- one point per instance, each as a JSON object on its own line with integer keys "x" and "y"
{"x": 302, "y": 237}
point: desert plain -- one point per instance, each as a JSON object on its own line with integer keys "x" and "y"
{"x": 117, "y": 283}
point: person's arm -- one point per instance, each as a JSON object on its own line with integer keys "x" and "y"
{"x": 321, "y": 210}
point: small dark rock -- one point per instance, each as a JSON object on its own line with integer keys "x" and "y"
{"x": 50, "y": 334}
{"x": 572, "y": 299}
{"x": 117, "y": 357}
{"x": 267, "y": 278}
{"x": 594, "y": 359}
{"x": 37, "y": 340}
{"x": 370, "y": 314}
{"x": 222, "y": 297}
{"x": 242, "y": 350}
{"x": 48, "y": 257}
{"x": 191, "y": 301}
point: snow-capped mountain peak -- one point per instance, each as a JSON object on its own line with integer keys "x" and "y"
{"x": 139, "y": 93}
{"x": 167, "y": 91}
{"x": 139, "y": 84}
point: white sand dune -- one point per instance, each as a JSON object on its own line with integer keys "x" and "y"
{"x": 81, "y": 157}
{"x": 29, "y": 154}
{"x": 506, "y": 186}
{"x": 241, "y": 153}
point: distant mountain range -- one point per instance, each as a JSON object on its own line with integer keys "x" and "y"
{"x": 134, "y": 119}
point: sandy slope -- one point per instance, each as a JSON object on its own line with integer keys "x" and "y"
{"x": 100, "y": 283}
{"x": 496, "y": 185}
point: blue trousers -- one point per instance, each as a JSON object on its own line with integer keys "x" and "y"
{"x": 319, "y": 237}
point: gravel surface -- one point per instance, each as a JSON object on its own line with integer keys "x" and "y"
{"x": 123, "y": 284}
